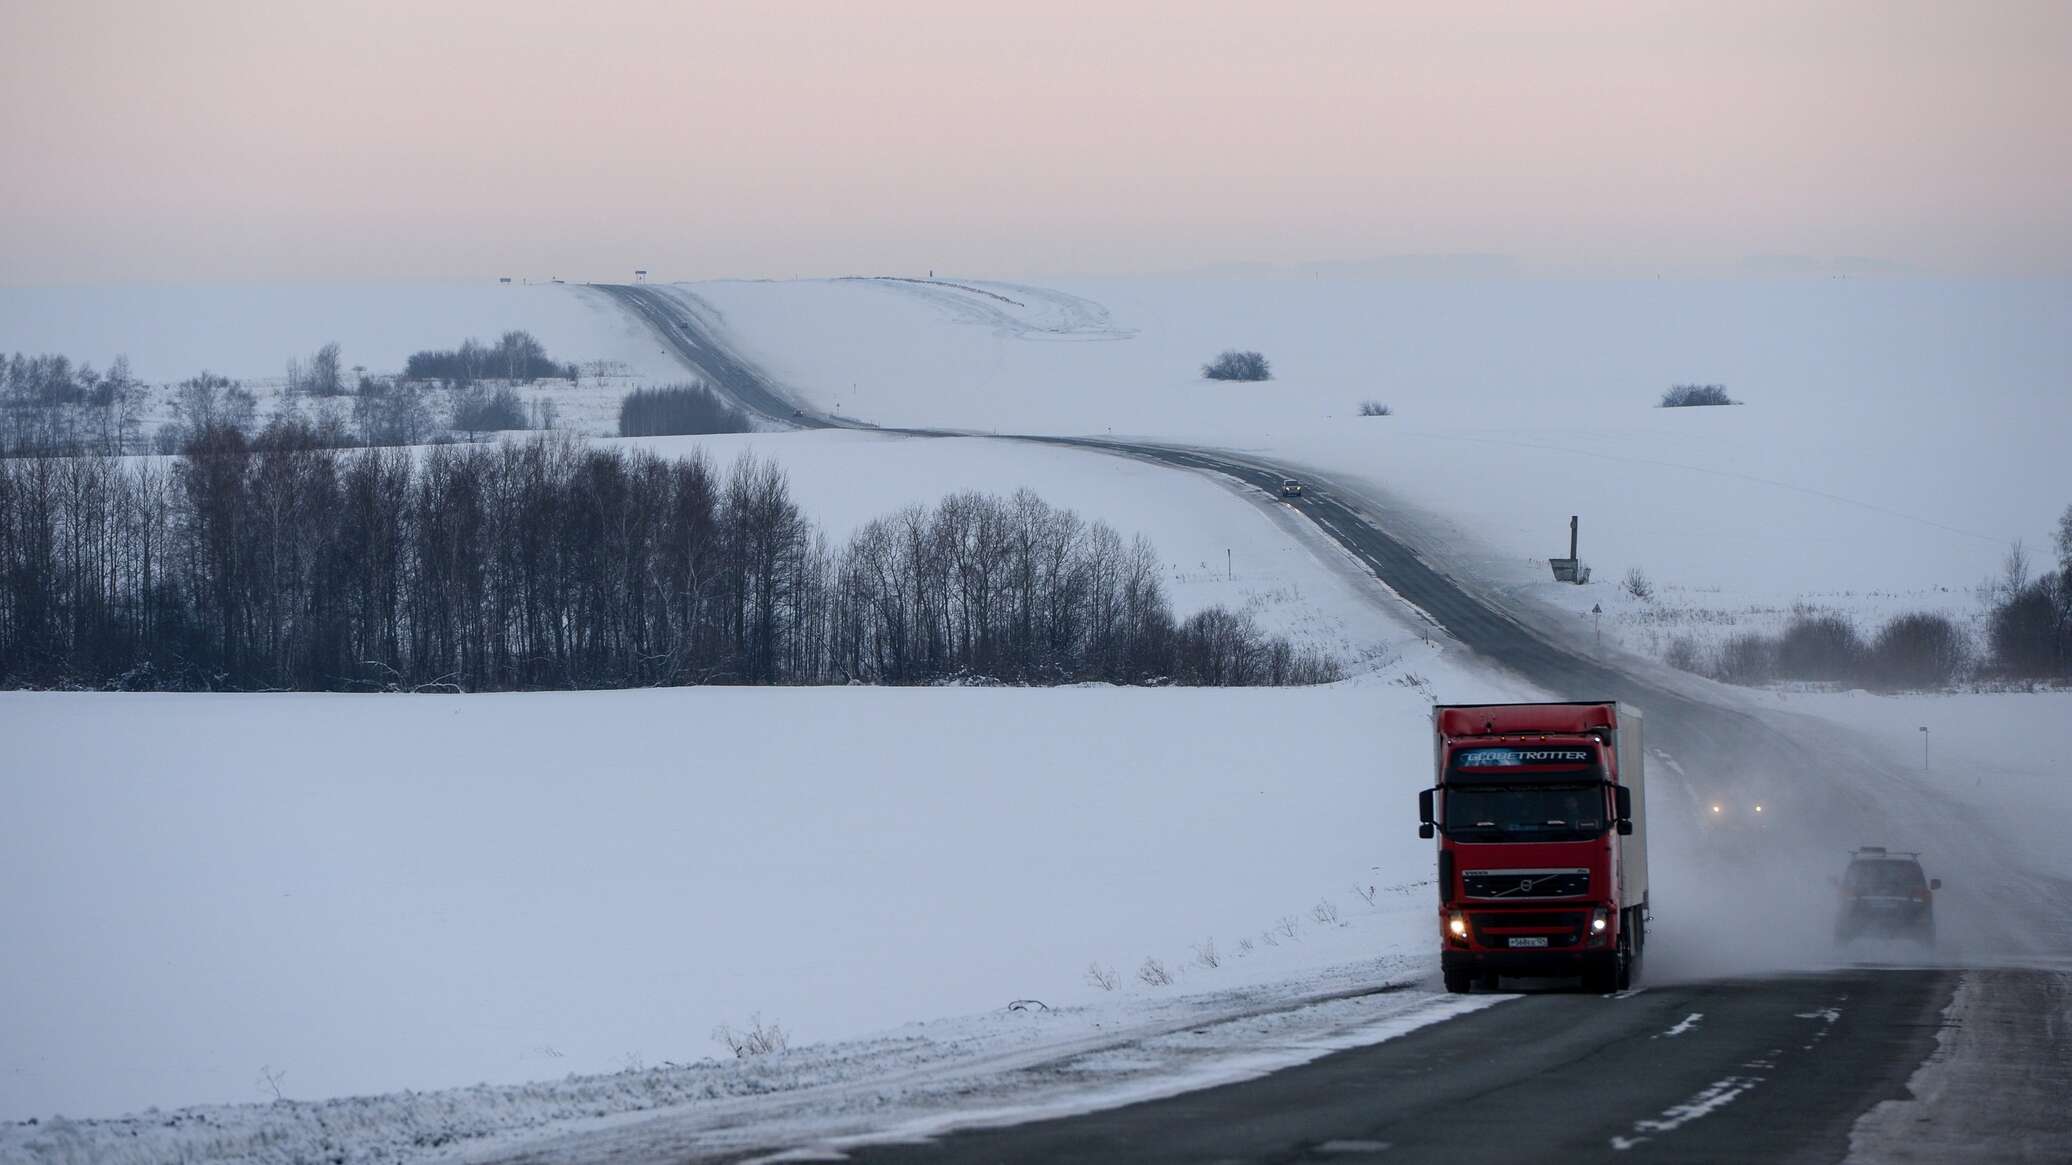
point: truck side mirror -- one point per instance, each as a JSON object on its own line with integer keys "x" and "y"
{"x": 1935, "y": 883}
{"x": 1425, "y": 830}
{"x": 1622, "y": 798}
{"x": 1424, "y": 813}
{"x": 1625, "y": 827}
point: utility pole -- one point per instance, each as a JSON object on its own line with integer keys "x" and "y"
{"x": 1597, "y": 623}
{"x": 1230, "y": 573}
{"x": 1924, "y": 750}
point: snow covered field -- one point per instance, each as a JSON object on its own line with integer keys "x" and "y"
{"x": 355, "y": 895}
{"x": 1897, "y": 435}
{"x": 370, "y": 894}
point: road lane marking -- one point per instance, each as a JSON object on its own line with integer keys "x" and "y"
{"x": 1686, "y": 1024}
{"x": 1710, "y": 1099}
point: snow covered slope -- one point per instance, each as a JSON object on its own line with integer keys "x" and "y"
{"x": 1897, "y": 435}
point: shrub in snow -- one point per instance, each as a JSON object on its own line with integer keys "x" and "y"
{"x": 1102, "y": 977}
{"x": 1205, "y": 954}
{"x": 1374, "y": 408}
{"x": 1683, "y": 654}
{"x": 391, "y": 413}
{"x": 321, "y": 376}
{"x": 1288, "y": 925}
{"x": 1325, "y": 911}
{"x": 1917, "y": 651}
{"x": 1820, "y": 647}
{"x": 760, "y": 1039}
{"x": 1682, "y": 396}
{"x": 1747, "y": 658}
{"x": 1236, "y": 365}
{"x": 478, "y": 410}
{"x": 1154, "y": 973}
{"x": 2026, "y": 632}
{"x": 677, "y": 409}
{"x": 516, "y": 357}
{"x": 1638, "y": 585}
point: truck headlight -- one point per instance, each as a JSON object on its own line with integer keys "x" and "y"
{"x": 1457, "y": 925}
{"x": 1600, "y": 920}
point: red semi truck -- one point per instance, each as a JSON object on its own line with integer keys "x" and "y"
{"x": 1540, "y": 811}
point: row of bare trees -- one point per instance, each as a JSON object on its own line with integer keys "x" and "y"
{"x": 282, "y": 563}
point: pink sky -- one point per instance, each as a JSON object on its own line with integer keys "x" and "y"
{"x": 278, "y": 139}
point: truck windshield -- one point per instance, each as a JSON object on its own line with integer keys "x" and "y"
{"x": 1525, "y": 813}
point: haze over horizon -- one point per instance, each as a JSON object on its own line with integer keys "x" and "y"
{"x": 351, "y": 141}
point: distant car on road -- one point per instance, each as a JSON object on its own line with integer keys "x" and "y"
{"x": 1886, "y": 895}
{"x": 1737, "y": 811}
{"x": 1290, "y": 488}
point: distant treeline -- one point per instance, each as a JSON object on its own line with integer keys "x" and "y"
{"x": 516, "y": 357}
{"x": 2027, "y": 633}
{"x": 281, "y": 563}
{"x": 50, "y": 406}
{"x": 674, "y": 409}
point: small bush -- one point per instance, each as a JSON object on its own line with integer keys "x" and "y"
{"x": 516, "y": 357}
{"x": 1288, "y": 925}
{"x": 391, "y": 413}
{"x": 2024, "y": 632}
{"x": 1918, "y": 651}
{"x": 1102, "y": 977}
{"x": 477, "y": 410}
{"x": 1236, "y": 365}
{"x": 1747, "y": 658}
{"x": 1820, "y": 647}
{"x": 1154, "y": 973}
{"x": 1374, "y": 408}
{"x": 1683, "y": 396}
{"x": 1325, "y": 911}
{"x": 1638, "y": 585}
{"x": 761, "y": 1039}
{"x": 677, "y": 409}
{"x": 1683, "y": 654}
{"x": 1205, "y": 954}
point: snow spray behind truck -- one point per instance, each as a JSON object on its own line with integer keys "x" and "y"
{"x": 1540, "y": 810}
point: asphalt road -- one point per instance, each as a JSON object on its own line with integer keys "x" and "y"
{"x": 1774, "y": 1069}
{"x": 1777, "y": 1070}
{"x": 680, "y": 318}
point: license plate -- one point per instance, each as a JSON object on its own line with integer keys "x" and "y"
{"x": 1528, "y": 941}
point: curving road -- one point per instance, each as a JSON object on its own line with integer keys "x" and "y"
{"x": 1779, "y": 1068}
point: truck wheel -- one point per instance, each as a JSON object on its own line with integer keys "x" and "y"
{"x": 1458, "y": 982}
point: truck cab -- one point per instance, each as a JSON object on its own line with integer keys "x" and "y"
{"x": 1542, "y": 862}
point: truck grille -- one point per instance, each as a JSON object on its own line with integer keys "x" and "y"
{"x": 1563, "y": 928}
{"x": 1525, "y": 883}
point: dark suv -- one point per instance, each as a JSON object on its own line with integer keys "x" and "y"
{"x": 1885, "y": 895}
